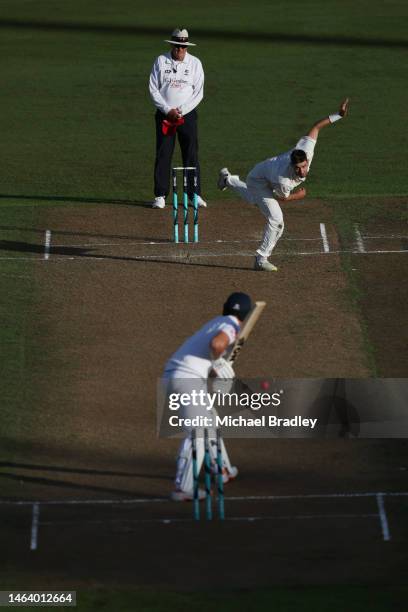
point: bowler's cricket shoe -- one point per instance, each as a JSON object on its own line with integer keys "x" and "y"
{"x": 180, "y": 496}
{"x": 264, "y": 265}
{"x": 222, "y": 179}
{"x": 159, "y": 202}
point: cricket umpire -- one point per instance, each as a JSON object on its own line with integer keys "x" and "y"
{"x": 176, "y": 87}
{"x": 271, "y": 182}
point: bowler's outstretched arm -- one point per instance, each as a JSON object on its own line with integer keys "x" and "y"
{"x": 314, "y": 132}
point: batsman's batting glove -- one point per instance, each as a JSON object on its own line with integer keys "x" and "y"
{"x": 222, "y": 385}
{"x": 222, "y": 368}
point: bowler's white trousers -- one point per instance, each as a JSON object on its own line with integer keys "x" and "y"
{"x": 258, "y": 191}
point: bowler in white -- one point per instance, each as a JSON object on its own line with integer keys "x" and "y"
{"x": 274, "y": 181}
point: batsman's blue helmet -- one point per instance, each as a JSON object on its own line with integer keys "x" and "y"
{"x": 238, "y": 304}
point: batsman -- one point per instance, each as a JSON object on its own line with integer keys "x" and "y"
{"x": 209, "y": 352}
{"x": 274, "y": 182}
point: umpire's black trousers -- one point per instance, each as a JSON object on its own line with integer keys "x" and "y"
{"x": 188, "y": 139}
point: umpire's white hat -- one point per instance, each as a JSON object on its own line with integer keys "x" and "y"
{"x": 180, "y": 37}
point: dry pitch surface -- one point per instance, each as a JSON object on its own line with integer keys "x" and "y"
{"x": 114, "y": 298}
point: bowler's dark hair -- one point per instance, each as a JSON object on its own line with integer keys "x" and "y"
{"x": 297, "y": 156}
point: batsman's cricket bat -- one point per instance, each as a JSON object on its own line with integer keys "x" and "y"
{"x": 249, "y": 324}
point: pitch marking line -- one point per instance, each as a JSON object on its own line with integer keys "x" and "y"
{"x": 323, "y": 234}
{"x": 34, "y": 526}
{"x": 167, "y": 521}
{"x": 383, "y": 517}
{"x": 161, "y": 500}
{"x": 47, "y": 245}
{"x": 171, "y": 243}
{"x": 83, "y": 259}
{"x": 317, "y": 496}
{"x": 192, "y": 255}
{"x": 382, "y": 237}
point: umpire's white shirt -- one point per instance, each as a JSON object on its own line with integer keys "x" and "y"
{"x": 193, "y": 359}
{"x": 278, "y": 171}
{"x": 175, "y": 84}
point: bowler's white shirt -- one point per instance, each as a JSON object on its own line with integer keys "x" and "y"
{"x": 279, "y": 172}
{"x": 175, "y": 84}
{"x": 193, "y": 359}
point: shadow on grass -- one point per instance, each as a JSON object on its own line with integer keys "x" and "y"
{"x": 54, "y": 198}
{"x": 219, "y": 35}
{"x": 26, "y": 247}
{"x": 67, "y": 470}
{"x": 40, "y": 230}
{"x": 68, "y": 484}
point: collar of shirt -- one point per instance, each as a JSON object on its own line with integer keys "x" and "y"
{"x": 235, "y": 319}
{"x": 173, "y": 61}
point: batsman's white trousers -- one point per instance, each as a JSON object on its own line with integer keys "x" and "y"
{"x": 258, "y": 191}
{"x": 184, "y": 472}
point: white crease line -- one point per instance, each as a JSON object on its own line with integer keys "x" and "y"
{"x": 40, "y": 259}
{"x": 382, "y": 252}
{"x": 34, "y": 526}
{"x": 47, "y": 244}
{"x": 383, "y": 517}
{"x": 170, "y": 243}
{"x": 323, "y": 234}
{"x": 14, "y": 275}
{"x": 359, "y": 240}
{"x": 129, "y": 259}
{"x": 228, "y": 518}
{"x": 379, "y": 237}
{"x": 317, "y": 496}
{"x": 192, "y": 255}
{"x": 147, "y": 500}
{"x": 303, "y": 517}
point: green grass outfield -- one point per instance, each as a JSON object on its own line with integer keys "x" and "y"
{"x": 78, "y": 120}
{"x": 310, "y": 599}
{"x": 295, "y": 599}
